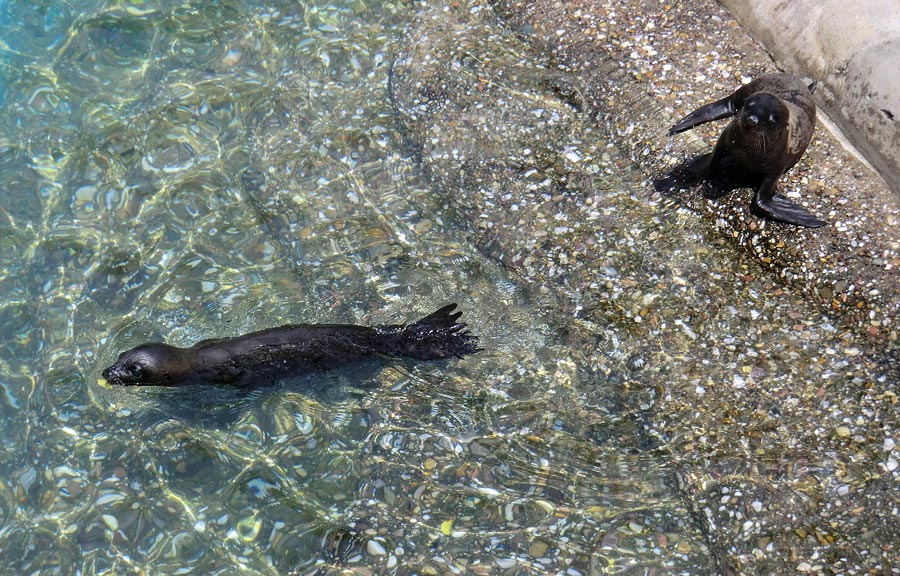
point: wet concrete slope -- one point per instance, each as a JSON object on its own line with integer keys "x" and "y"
{"x": 646, "y": 64}
{"x": 759, "y": 358}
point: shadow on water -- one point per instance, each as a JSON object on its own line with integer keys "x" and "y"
{"x": 217, "y": 406}
{"x": 183, "y": 169}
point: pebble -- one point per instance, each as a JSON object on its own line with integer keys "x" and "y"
{"x": 248, "y": 528}
{"x": 538, "y": 548}
{"x": 375, "y": 548}
{"x": 111, "y": 522}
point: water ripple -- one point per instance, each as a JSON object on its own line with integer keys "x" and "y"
{"x": 185, "y": 170}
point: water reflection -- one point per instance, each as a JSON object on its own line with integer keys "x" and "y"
{"x": 183, "y": 170}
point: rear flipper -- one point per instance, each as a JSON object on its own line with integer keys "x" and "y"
{"x": 688, "y": 174}
{"x": 434, "y": 337}
{"x": 774, "y": 206}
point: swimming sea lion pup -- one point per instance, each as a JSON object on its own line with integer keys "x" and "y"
{"x": 776, "y": 117}
{"x": 269, "y": 355}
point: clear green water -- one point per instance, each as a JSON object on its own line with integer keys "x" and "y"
{"x": 182, "y": 170}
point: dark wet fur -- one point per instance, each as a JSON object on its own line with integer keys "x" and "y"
{"x": 275, "y": 354}
{"x": 753, "y": 150}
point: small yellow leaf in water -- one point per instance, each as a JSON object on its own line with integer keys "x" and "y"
{"x": 446, "y": 527}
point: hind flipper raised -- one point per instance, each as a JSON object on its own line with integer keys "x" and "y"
{"x": 437, "y": 336}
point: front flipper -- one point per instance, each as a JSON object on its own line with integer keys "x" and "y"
{"x": 714, "y": 111}
{"x": 774, "y": 206}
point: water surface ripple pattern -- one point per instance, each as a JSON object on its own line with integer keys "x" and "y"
{"x": 183, "y": 170}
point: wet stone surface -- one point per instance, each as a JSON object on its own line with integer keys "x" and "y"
{"x": 646, "y": 65}
{"x": 774, "y": 402}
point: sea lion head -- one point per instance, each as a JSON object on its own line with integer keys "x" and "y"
{"x": 148, "y": 365}
{"x": 763, "y": 112}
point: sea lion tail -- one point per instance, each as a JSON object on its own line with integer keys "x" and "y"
{"x": 434, "y": 337}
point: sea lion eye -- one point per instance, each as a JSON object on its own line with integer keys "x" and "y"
{"x": 774, "y": 118}
{"x": 135, "y": 370}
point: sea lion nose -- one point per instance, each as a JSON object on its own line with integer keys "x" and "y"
{"x": 106, "y": 373}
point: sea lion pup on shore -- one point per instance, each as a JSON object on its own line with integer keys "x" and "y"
{"x": 775, "y": 120}
{"x": 269, "y": 355}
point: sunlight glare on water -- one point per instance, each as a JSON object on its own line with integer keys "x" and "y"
{"x": 185, "y": 170}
